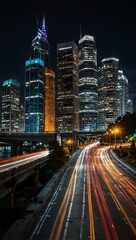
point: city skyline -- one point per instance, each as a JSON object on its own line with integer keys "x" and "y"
{"x": 111, "y": 24}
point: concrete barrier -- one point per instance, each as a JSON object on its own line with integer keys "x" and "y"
{"x": 19, "y": 230}
{"x": 21, "y": 227}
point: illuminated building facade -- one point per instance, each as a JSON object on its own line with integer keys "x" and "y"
{"x": 88, "y": 84}
{"x": 21, "y": 119}
{"x": 130, "y": 106}
{"x": 10, "y": 106}
{"x": 108, "y": 92}
{"x": 67, "y": 87}
{"x": 50, "y": 120}
{"x": 123, "y": 93}
{"x": 34, "y": 96}
{"x": 35, "y": 82}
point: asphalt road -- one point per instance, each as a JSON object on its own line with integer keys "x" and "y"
{"x": 95, "y": 199}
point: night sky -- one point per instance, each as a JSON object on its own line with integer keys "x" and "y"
{"x": 111, "y": 22}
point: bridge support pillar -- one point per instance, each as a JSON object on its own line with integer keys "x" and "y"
{"x": 36, "y": 177}
{"x": 20, "y": 149}
{"x": 12, "y": 185}
{"x": 74, "y": 144}
{"x": 16, "y": 149}
{"x": 10, "y": 198}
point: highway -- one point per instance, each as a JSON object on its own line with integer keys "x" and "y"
{"x": 95, "y": 199}
{"x": 114, "y": 193}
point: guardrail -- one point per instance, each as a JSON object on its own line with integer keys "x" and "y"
{"x": 126, "y": 165}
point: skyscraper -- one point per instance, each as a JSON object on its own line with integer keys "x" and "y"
{"x": 67, "y": 87}
{"x": 10, "y": 105}
{"x": 35, "y": 82}
{"x": 130, "y": 106}
{"x": 21, "y": 119}
{"x": 123, "y": 93}
{"x": 108, "y": 92}
{"x": 88, "y": 84}
{"x": 34, "y": 96}
{"x": 50, "y": 120}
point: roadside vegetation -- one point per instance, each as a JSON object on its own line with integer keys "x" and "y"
{"x": 58, "y": 155}
{"x": 126, "y": 124}
{"x": 125, "y": 130}
{"x": 128, "y": 155}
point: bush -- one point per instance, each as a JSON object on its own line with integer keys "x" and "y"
{"x": 128, "y": 155}
{"x": 21, "y": 204}
{"x": 45, "y": 174}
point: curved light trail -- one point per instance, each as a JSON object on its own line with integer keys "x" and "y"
{"x": 21, "y": 160}
{"x": 101, "y": 202}
{"x": 114, "y": 180}
{"x": 69, "y": 196}
{"x": 95, "y": 199}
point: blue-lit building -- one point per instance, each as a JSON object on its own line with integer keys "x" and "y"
{"x": 34, "y": 96}
{"x": 10, "y": 106}
{"x": 35, "y": 82}
{"x": 88, "y": 84}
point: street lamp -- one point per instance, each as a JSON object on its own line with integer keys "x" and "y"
{"x": 69, "y": 142}
{"x": 110, "y": 132}
{"x": 115, "y": 131}
{"x": 107, "y": 140}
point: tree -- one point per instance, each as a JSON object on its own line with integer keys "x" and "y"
{"x": 126, "y": 124}
{"x": 57, "y": 156}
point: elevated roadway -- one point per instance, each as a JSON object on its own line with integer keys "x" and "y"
{"x": 21, "y": 137}
{"x": 19, "y": 168}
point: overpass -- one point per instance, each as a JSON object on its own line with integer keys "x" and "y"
{"x": 21, "y": 137}
{"x": 17, "y": 139}
{"x": 44, "y": 137}
{"x": 79, "y": 137}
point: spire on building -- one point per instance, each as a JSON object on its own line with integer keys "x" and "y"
{"x": 113, "y": 52}
{"x": 43, "y": 25}
{"x": 42, "y": 31}
{"x": 36, "y": 21}
{"x": 80, "y": 30}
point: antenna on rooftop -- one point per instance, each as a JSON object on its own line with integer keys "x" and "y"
{"x": 80, "y": 30}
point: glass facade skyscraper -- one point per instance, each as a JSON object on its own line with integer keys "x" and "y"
{"x": 49, "y": 105}
{"x": 34, "y": 96}
{"x": 67, "y": 87}
{"x": 35, "y": 82}
{"x": 88, "y": 84}
{"x": 130, "y": 106}
{"x": 108, "y": 92}
{"x": 10, "y": 106}
{"x": 123, "y": 93}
